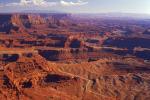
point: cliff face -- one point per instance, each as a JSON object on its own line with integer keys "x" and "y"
{"x": 28, "y": 76}
{"x": 11, "y": 22}
{"x": 5, "y": 23}
{"x": 21, "y": 22}
{"x": 110, "y": 78}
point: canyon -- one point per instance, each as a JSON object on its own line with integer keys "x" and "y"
{"x": 59, "y": 56}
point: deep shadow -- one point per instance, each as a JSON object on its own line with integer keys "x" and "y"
{"x": 51, "y": 55}
{"x": 75, "y": 44}
{"x": 55, "y": 78}
{"x": 27, "y": 84}
{"x": 10, "y": 58}
{"x": 6, "y": 82}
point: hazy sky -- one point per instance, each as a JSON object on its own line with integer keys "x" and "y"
{"x": 74, "y": 6}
